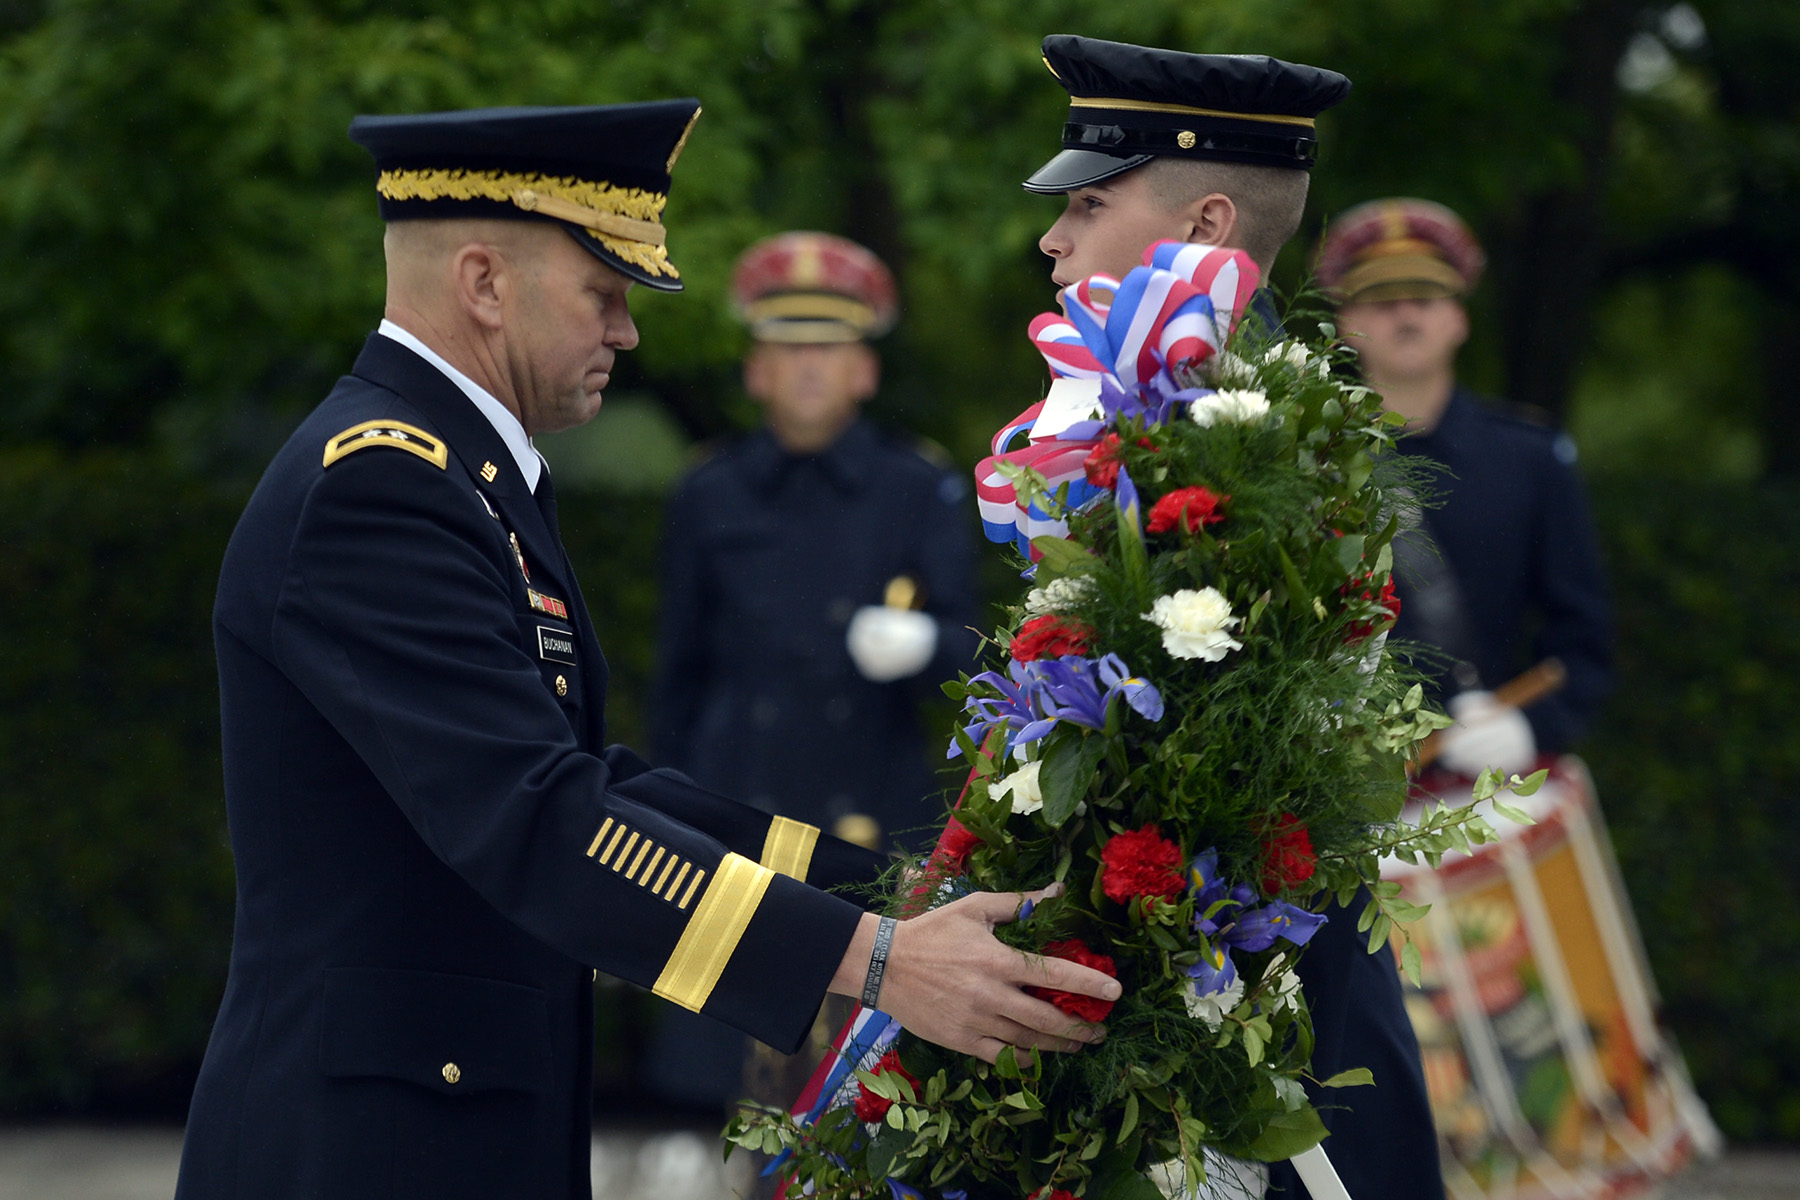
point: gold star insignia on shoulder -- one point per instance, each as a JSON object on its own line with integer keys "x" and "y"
{"x": 396, "y": 434}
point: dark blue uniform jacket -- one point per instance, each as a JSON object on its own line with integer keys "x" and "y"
{"x": 433, "y": 850}
{"x": 766, "y": 556}
{"x": 1515, "y": 534}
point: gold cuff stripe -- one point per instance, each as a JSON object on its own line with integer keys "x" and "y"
{"x": 604, "y": 826}
{"x": 674, "y": 884}
{"x": 668, "y": 867}
{"x": 626, "y": 221}
{"x": 654, "y": 859}
{"x": 688, "y": 895}
{"x": 617, "y": 837}
{"x": 788, "y": 849}
{"x": 1188, "y": 111}
{"x": 713, "y": 932}
{"x": 397, "y": 434}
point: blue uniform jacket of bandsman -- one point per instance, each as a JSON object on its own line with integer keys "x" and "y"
{"x": 433, "y": 850}
{"x": 766, "y": 557}
{"x": 1511, "y": 522}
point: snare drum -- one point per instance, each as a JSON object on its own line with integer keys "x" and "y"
{"x": 1549, "y": 1077}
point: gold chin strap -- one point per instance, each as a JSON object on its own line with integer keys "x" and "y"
{"x": 648, "y": 232}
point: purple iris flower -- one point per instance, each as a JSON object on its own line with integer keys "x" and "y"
{"x": 1141, "y": 694}
{"x": 1229, "y": 919}
{"x": 1258, "y": 928}
{"x": 1214, "y": 972}
{"x": 1125, "y": 495}
{"x": 1013, "y": 708}
{"x": 1079, "y": 690}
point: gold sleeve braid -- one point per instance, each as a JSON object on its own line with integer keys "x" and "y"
{"x": 713, "y": 932}
{"x": 788, "y": 848}
{"x": 631, "y": 205}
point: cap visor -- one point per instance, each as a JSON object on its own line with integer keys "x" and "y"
{"x": 631, "y": 271}
{"x": 1078, "y": 168}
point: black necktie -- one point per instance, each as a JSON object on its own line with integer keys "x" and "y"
{"x": 545, "y": 495}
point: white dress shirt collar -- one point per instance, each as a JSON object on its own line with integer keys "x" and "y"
{"x": 505, "y": 424}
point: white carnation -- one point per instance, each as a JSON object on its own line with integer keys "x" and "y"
{"x": 1022, "y": 786}
{"x": 1211, "y": 1008}
{"x": 1229, "y": 407}
{"x": 1229, "y": 369}
{"x": 1059, "y": 595}
{"x": 1285, "y": 992}
{"x": 1195, "y": 624}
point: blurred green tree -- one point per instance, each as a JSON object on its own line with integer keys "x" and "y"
{"x": 194, "y": 256}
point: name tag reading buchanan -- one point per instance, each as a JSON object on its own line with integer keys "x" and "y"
{"x": 555, "y": 645}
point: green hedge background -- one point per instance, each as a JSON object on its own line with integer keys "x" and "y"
{"x": 116, "y": 915}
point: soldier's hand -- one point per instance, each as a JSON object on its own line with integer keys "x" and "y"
{"x": 890, "y": 643}
{"x": 951, "y": 981}
{"x": 1487, "y": 734}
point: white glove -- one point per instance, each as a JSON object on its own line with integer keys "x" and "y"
{"x": 890, "y": 643}
{"x": 1487, "y": 734}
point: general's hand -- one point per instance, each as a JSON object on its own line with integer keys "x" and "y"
{"x": 950, "y": 981}
{"x": 1487, "y": 734}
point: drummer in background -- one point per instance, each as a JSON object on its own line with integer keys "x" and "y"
{"x": 1515, "y": 578}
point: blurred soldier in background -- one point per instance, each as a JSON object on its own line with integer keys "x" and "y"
{"x": 1507, "y": 576}
{"x": 817, "y": 585}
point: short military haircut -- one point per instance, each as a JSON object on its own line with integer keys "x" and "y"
{"x": 1270, "y": 200}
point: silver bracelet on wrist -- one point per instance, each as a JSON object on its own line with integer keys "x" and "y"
{"x": 884, "y": 938}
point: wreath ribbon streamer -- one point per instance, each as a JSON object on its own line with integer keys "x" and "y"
{"x": 1161, "y": 321}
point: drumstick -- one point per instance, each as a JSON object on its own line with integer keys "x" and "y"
{"x": 1521, "y": 691}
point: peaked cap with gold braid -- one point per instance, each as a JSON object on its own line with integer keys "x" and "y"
{"x": 1129, "y": 104}
{"x": 814, "y": 288}
{"x": 601, "y": 172}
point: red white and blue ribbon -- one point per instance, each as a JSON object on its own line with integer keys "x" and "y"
{"x": 1169, "y": 315}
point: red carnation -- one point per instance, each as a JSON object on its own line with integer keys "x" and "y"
{"x": 1102, "y": 463}
{"x": 1188, "y": 506}
{"x": 1054, "y": 1194}
{"x": 1359, "y": 630}
{"x": 1288, "y": 857}
{"x": 1141, "y": 863}
{"x": 1084, "y": 1008}
{"x": 872, "y": 1108}
{"x": 1049, "y": 636}
{"x": 953, "y": 848}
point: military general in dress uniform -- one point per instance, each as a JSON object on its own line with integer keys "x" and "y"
{"x": 817, "y": 584}
{"x": 435, "y": 849}
{"x": 1505, "y": 571}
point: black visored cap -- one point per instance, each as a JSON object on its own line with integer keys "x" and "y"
{"x": 1128, "y": 104}
{"x": 600, "y": 171}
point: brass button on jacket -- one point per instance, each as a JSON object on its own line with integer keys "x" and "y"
{"x": 452, "y": 1072}
{"x": 562, "y": 685}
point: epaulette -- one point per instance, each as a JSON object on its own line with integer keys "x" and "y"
{"x": 397, "y": 434}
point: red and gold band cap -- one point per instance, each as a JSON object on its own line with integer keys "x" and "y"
{"x": 813, "y": 288}
{"x": 1399, "y": 248}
